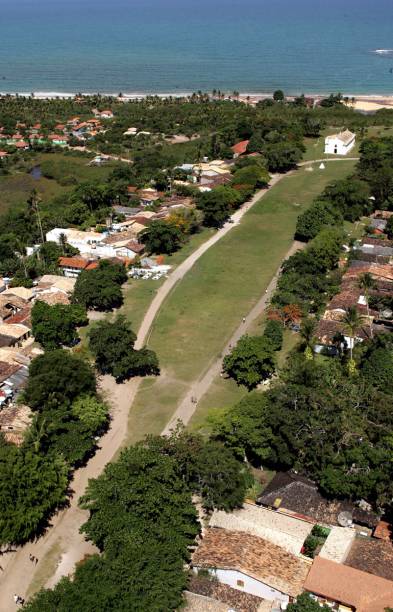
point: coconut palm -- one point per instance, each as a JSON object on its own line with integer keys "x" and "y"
{"x": 352, "y": 322}
{"x": 307, "y": 330}
{"x": 366, "y": 283}
{"x": 33, "y": 206}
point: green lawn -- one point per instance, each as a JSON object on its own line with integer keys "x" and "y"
{"x": 315, "y": 146}
{"x": 204, "y": 309}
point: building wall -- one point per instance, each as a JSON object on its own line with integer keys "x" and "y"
{"x": 235, "y": 579}
{"x": 342, "y": 149}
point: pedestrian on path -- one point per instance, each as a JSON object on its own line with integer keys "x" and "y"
{"x": 244, "y": 319}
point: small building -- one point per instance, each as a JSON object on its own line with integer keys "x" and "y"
{"x": 340, "y": 144}
{"x": 346, "y": 588}
{"x": 14, "y": 334}
{"x": 240, "y": 148}
{"x": 14, "y": 421}
{"x": 73, "y": 266}
{"x": 299, "y": 496}
{"x": 251, "y": 564}
{"x": 85, "y": 242}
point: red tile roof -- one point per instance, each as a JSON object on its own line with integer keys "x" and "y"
{"x": 240, "y": 147}
{"x": 78, "y": 263}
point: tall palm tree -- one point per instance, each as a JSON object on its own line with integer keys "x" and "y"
{"x": 21, "y": 253}
{"x": 307, "y": 330}
{"x": 33, "y": 205}
{"x": 352, "y": 322}
{"x": 366, "y": 283}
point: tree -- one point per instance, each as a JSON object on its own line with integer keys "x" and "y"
{"x": 31, "y": 487}
{"x": 307, "y": 331}
{"x": 352, "y": 323}
{"x": 91, "y": 411}
{"x": 33, "y": 204}
{"x": 251, "y": 361}
{"x": 278, "y": 95}
{"x": 273, "y": 332}
{"x": 112, "y": 344}
{"x": 305, "y": 603}
{"x": 58, "y": 378}
{"x": 162, "y": 237}
{"x": 100, "y": 288}
{"x": 217, "y": 205}
{"x": 366, "y": 282}
{"x": 282, "y": 156}
{"x": 55, "y": 326}
{"x": 389, "y": 228}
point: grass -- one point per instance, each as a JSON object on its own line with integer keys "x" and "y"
{"x": 204, "y": 309}
{"x": 16, "y": 187}
{"x": 315, "y": 147}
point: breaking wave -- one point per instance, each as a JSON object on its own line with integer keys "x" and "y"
{"x": 384, "y": 51}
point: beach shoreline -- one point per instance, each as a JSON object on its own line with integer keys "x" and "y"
{"x": 362, "y": 102}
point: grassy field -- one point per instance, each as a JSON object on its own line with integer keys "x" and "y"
{"x": 204, "y": 309}
{"x": 315, "y": 146}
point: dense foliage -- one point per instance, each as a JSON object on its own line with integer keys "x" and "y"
{"x": 143, "y": 520}
{"x": 112, "y": 344}
{"x": 56, "y": 326}
{"x": 250, "y": 361}
{"x": 100, "y": 288}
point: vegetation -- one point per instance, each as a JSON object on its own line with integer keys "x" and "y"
{"x": 112, "y": 344}
{"x": 143, "y": 521}
{"x": 100, "y": 288}
{"x": 305, "y": 603}
{"x": 162, "y": 237}
{"x": 251, "y": 361}
{"x": 56, "y": 326}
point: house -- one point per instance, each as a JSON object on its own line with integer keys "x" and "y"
{"x": 10, "y": 305}
{"x": 250, "y": 564}
{"x": 73, "y": 266}
{"x": 54, "y": 289}
{"x": 298, "y": 496}
{"x": 372, "y": 555}
{"x": 57, "y": 140}
{"x": 106, "y": 114}
{"x": 22, "y": 293}
{"x": 85, "y": 242}
{"x": 14, "y": 334}
{"x": 340, "y": 144}
{"x": 348, "y": 588}
{"x": 240, "y": 148}
{"x": 285, "y": 531}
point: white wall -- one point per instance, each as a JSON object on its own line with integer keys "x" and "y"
{"x": 342, "y": 149}
{"x": 252, "y": 586}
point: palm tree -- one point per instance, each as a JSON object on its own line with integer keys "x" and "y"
{"x": 307, "y": 330}
{"x": 366, "y": 283}
{"x": 33, "y": 205}
{"x": 352, "y": 322}
{"x": 63, "y": 242}
{"x": 21, "y": 253}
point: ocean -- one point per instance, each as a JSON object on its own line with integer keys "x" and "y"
{"x": 152, "y": 46}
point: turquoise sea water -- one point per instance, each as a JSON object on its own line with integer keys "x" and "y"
{"x": 185, "y": 45}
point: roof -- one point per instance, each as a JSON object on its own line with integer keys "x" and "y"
{"x": 23, "y": 316}
{"x": 14, "y": 420}
{"x": 58, "y": 282}
{"x": 345, "y": 137}
{"x": 253, "y": 556}
{"x": 351, "y": 587}
{"x": 240, "y": 147}
{"x": 13, "y": 330}
{"x": 7, "y": 369}
{"x": 21, "y": 292}
{"x": 373, "y": 556}
{"x": 285, "y": 531}
{"x": 300, "y": 496}
{"x": 135, "y": 246}
{"x": 78, "y": 263}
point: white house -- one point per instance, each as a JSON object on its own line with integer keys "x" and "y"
{"x": 251, "y": 564}
{"x": 85, "y": 242}
{"x": 340, "y": 144}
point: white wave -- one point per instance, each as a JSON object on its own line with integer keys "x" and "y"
{"x": 384, "y": 51}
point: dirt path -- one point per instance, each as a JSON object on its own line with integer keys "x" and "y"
{"x": 62, "y": 545}
{"x": 187, "y": 407}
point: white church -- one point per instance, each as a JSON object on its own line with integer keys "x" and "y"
{"x": 340, "y": 144}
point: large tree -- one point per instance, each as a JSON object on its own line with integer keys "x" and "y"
{"x": 100, "y": 288}
{"x": 58, "y": 378}
{"x": 56, "y": 326}
{"x": 162, "y": 237}
{"x": 112, "y": 344}
{"x": 250, "y": 361}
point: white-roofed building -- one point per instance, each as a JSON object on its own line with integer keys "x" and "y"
{"x": 340, "y": 144}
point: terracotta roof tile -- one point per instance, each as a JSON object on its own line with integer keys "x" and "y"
{"x": 253, "y": 556}
{"x": 351, "y": 587}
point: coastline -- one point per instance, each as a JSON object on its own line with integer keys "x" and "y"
{"x": 362, "y": 102}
